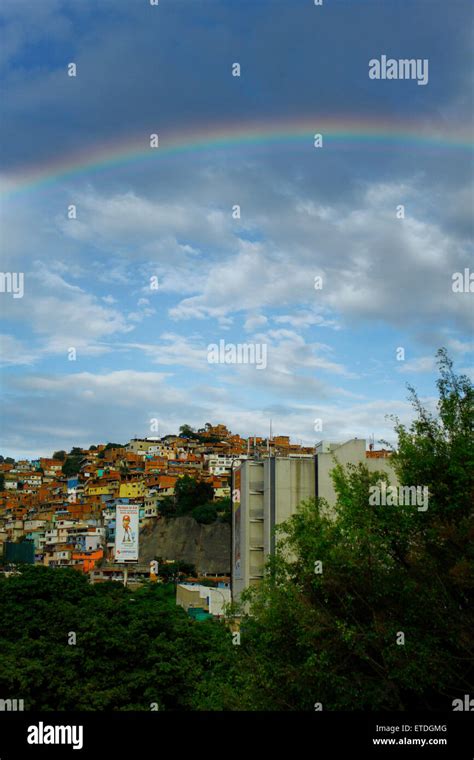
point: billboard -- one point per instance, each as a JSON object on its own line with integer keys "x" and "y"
{"x": 126, "y": 532}
{"x": 22, "y": 552}
{"x": 236, "y": 527}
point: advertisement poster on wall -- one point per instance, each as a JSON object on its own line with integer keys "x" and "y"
{"x": 126, "y": 532}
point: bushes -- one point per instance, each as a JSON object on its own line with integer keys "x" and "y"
{"x": 127, "y": 655}
{"x": 205, "y": 514}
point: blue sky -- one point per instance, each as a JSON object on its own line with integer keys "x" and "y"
{"x": 141, "y": 354}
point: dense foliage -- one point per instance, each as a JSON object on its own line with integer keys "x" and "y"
{"x": 72, "y": 464}
{"x": 190, "y": 493}
{"x": 133, "y": 650}
{"x": 196, "y": 498}
{"x": 372, "y": 607}
{"x": 186, "y": 431}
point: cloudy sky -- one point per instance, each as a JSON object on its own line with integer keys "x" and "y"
{"x": 165, "y": 215}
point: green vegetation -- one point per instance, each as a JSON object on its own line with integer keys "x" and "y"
{"x": 224, "y": 509}
{"x": 328, "y": 632}
{"x": 186, "y": 431}
{"x": 167, "y": 506}
{"x": 190, "y": 495}
{"x": 194, "y": 497}
{"x": 133, "y": 648}
{"x": 175, "y": 571}
{"x": 60, "y": 455}
{"x": 72, "y": 465}
{"x": 205, "y": 514}
{"x": 220, "y": 509}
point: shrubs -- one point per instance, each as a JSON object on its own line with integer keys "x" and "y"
{"x": 205, "y": 514}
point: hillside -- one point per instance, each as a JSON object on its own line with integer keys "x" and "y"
{"x": 182, "y": 538}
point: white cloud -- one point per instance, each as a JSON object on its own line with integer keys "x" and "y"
{"x": 306, "y": 319}
{"x": 255, "y": 320}
{"x": 15, "y": 352}
{"x": 421, "y": 364}
{"x": 174, "y": 349}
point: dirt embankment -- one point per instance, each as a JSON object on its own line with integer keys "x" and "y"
{"x": 182, "y": 538}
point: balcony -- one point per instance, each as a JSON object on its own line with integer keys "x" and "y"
{"x": 256, "y": 515}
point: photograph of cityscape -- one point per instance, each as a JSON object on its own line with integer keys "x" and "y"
{"x": 237, "y": 400}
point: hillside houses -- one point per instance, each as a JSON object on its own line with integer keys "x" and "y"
{"x": 66, "y": 509}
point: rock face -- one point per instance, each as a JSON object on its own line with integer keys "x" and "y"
{"x": 182, "y": 538}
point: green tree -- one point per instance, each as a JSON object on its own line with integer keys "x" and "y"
{"x": 190, "y": 493}
{"x": 132, "y": 648}
{"x": 167, "y": 506}
{"x": 2, "y": 481}
{"x": 205, "y": 514}
{"x": 186, "y": 431}
{"x": 72, "y": 465}
{"x": 438, "y": 450}
{"x": 60, "y": 455}
{"x": 371, "y": 607}
{"x": 224, "y": 509}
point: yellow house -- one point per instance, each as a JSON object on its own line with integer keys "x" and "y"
{"x": 99, "y": 490}
{"x": 132, "y": 490}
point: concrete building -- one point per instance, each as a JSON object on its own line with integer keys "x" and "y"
{"x": 267, "y": 492}
{"x": 205, "y": 598}
{"x": 143, "y": 445}
{"x": 352, "y": 452}
{"x": 221, "y": 464}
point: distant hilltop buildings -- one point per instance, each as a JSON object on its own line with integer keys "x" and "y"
{"x": 60, "y": 510}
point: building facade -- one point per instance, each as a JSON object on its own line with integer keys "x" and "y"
{"x": 267, "y": 492}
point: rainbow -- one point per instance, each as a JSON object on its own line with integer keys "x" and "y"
{"x": 227, "y": 137}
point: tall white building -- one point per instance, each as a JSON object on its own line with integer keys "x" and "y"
{"x": 267, "y": 492}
